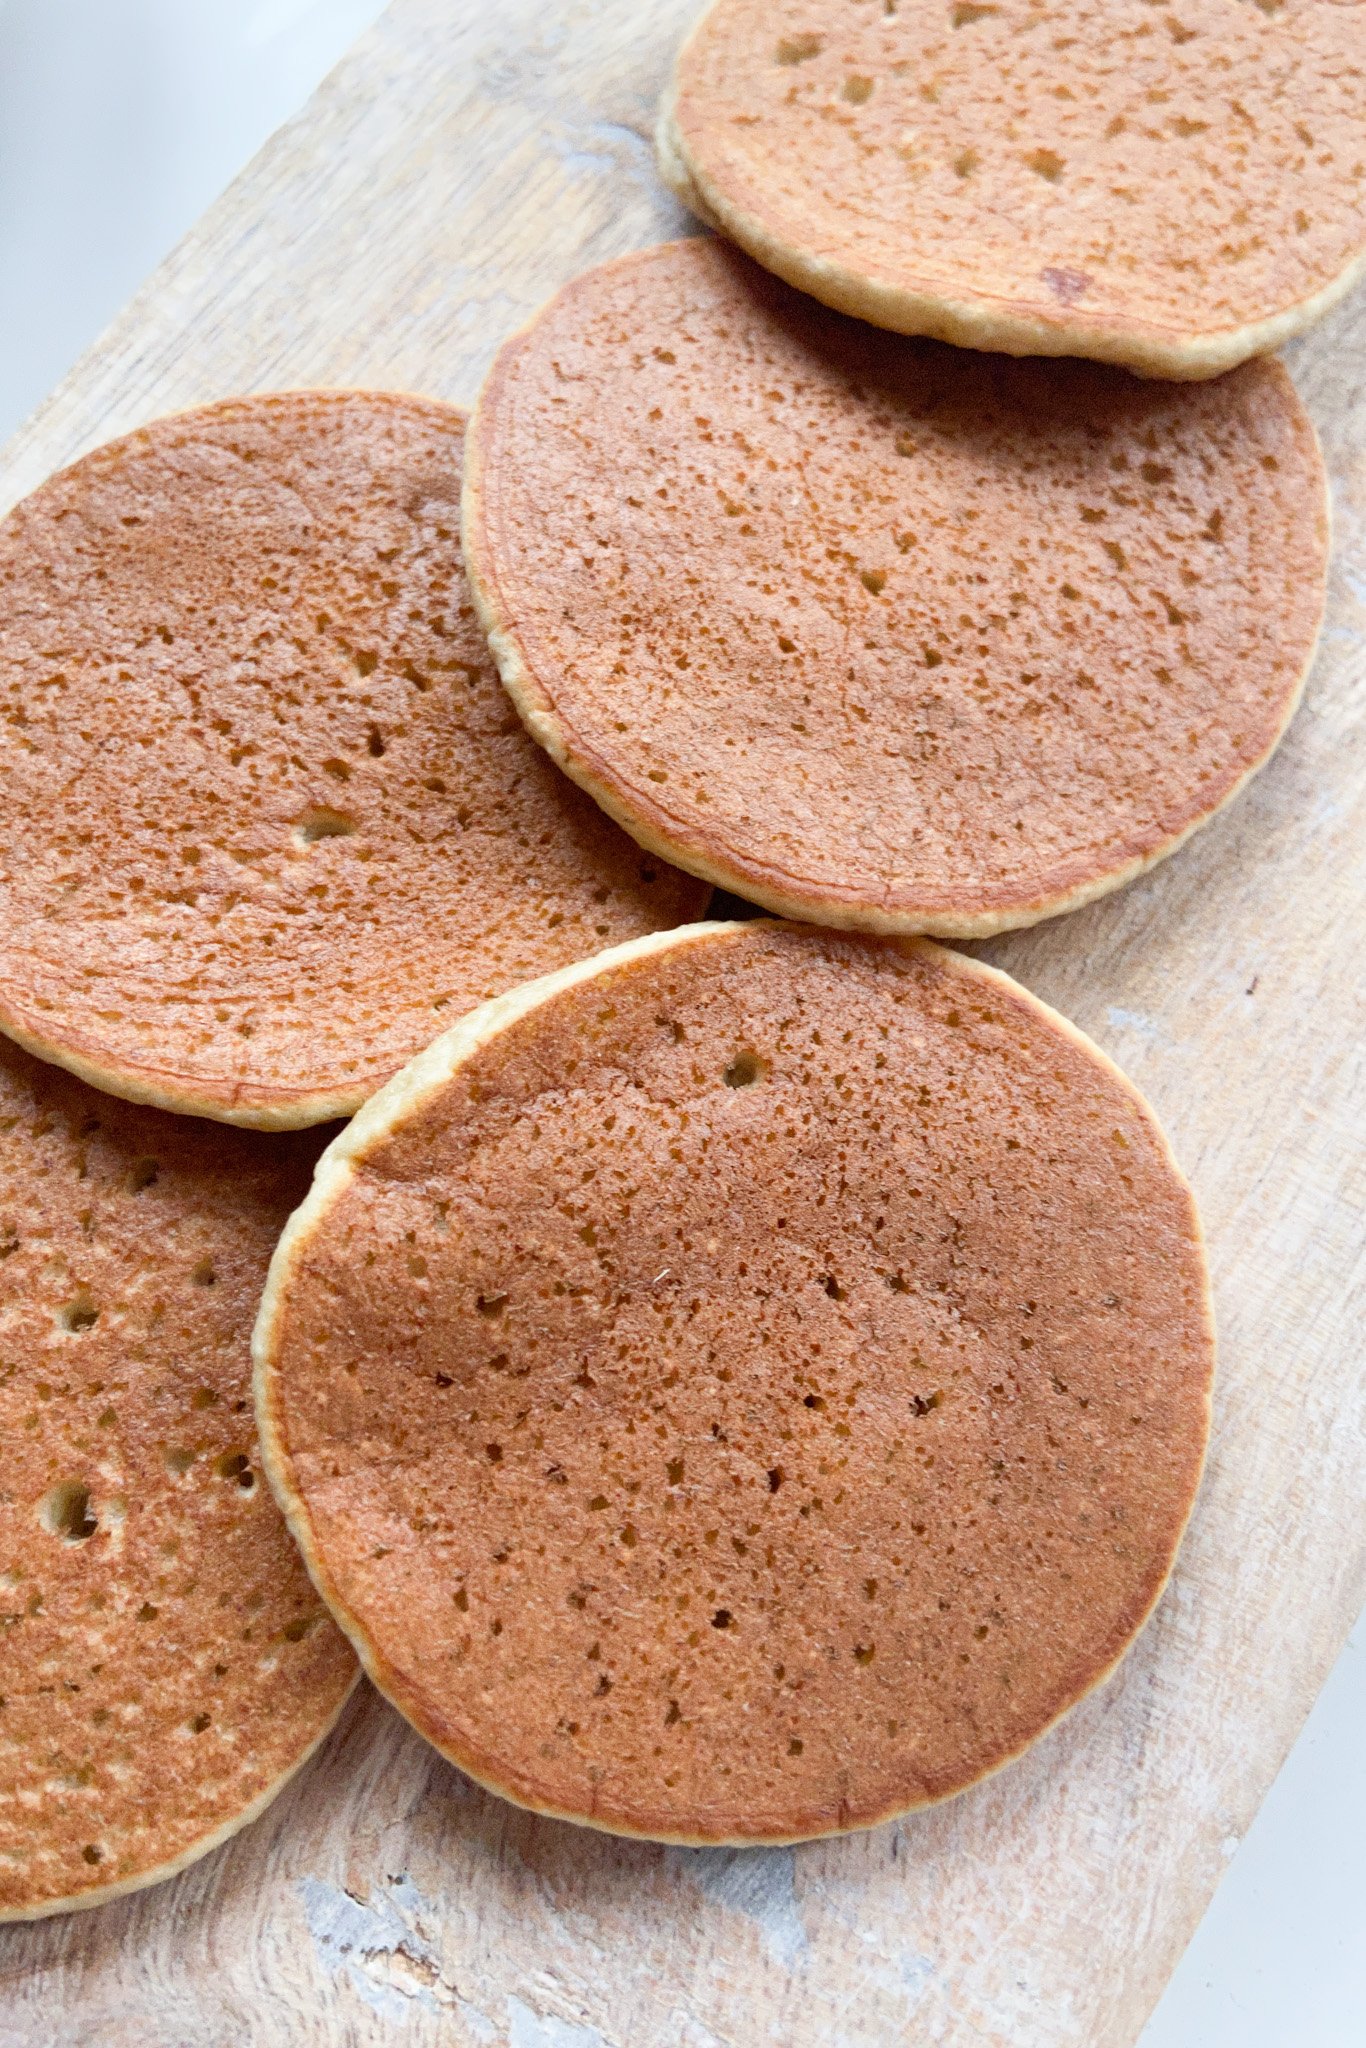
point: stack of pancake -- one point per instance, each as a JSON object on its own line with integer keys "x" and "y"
{"x": 729, "y": 1381}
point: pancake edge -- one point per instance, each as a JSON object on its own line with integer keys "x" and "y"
{"x": 406, "y": 1094}
{"x": 1146, "y": 348}
{"x": 101, "y": 1895}
{"x": 784, "y": 895}
{"x": 265, "y": 1109}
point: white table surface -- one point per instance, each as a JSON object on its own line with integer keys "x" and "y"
{"x": 120, "y": 120}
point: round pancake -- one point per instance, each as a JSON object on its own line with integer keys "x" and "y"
{"x": 166, "y": 1664}
{"x": 877, "y": 632}
{"x": 269, "y": 824}
{"x": 1170, "y": 184}
{"x": 744, "y": 1386}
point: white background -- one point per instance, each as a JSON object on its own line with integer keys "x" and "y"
{"x": 119, "y": 121}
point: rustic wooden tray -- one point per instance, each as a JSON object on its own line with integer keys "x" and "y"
{"x": 463, "y": 162}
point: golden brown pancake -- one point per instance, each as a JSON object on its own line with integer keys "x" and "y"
{"x": 745, "y": 1385}
{"x": 877, "y": 632}
{"x": 165, "y": 1664}
{"x": 269, "y": 823}
{"x": 1170, "y": 184}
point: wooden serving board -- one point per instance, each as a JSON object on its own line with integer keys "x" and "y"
{"x": 464, "y": 161}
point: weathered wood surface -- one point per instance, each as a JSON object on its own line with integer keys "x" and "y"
{"x": 465, "y": 160}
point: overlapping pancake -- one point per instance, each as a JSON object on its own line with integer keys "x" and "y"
{"x": 877, "y": 632}
{"x": 267, "y": 823}
{"x": 1170, "y": 184}
{"x": 165, "y": 1664}
{"x": 744, "y": 1386}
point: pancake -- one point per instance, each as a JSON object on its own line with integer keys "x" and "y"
{"x": 1174, "y": 185}
{"x": 165, "y": 1663}
{"x": 744, "y": 1386}
{"x": 873, "y": 631}
{"x": 268, "y": 823}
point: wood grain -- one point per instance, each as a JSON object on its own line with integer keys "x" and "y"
{"x": 461, "y": 164}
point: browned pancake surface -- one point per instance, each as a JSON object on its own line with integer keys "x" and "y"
{"x": 753, "y": 1392}
{"x": 164, "y": 1661}
{"x": 875, "y": 631}
{"x": 268, "y": 821}
{"x": 1169, "y": 183}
